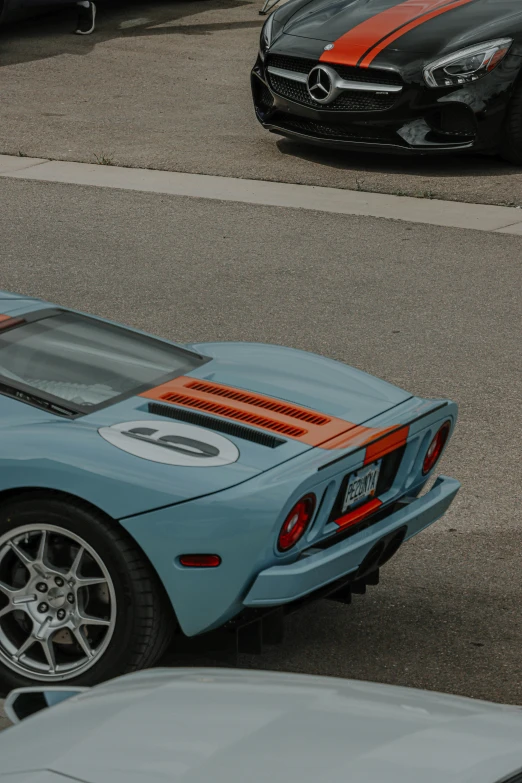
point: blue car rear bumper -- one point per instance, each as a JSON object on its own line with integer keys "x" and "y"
{"x": 251, "y": 577}
{"x": 282, "y": 584}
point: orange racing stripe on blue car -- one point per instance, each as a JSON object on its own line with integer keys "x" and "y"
{"x": 278, "y": 416}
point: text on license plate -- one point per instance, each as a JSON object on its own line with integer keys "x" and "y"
{"x": 361, "y": 485}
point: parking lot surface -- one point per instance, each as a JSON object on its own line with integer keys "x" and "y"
{"x": 165, "y": 85}
{"x": 435, "y": 310}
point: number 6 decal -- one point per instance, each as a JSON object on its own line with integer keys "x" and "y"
{"x": 172, "y": 443}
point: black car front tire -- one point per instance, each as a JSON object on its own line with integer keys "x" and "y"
{"x": 111, "y": 606}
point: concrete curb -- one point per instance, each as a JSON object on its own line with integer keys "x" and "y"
{"x": 450, "y": 214}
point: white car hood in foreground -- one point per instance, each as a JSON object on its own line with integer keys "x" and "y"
{"x": 220, "y": 726}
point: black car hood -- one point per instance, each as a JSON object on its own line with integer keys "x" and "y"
{"x": 455, "y": 25}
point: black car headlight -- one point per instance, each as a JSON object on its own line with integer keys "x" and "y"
{"x": 467, "y": 65}
{"x": 266, "y": 36}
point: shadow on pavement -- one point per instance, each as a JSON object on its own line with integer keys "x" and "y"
{"x": 51, "y": 34}
{"x": 436, "y": 166}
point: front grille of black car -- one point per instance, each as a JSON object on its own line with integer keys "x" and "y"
{"x": 341, "y": 132}
{"x": 347, "y": 101}
{"x": 349, "y": 72}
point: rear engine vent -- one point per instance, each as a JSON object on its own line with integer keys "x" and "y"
{"x": 293, "y": 412}
{"x": 229, "y": 428}
{"x": 178, "y": 398}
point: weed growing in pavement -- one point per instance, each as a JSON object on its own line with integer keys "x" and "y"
{"x": 104, "y": 160}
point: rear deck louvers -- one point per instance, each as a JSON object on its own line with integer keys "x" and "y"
{"x": 178, "y": 398}
{"x": 250, "y": 408}
{"x": 227, "y": 427}
{"x": 237, "y": 395}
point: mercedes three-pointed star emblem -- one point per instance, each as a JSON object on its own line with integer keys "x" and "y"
{"x": 320, "y": 84}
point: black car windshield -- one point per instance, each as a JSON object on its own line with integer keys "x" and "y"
{"x": 83, "y": 362}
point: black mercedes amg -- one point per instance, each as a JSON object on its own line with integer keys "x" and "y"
{"x": 413, "y": 76}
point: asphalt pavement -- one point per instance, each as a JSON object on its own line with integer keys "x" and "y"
{"x": 435, "y": 310}
{"x": 165, "y": 85}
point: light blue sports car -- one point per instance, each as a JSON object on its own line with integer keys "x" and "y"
{"x": 148, "y": 489}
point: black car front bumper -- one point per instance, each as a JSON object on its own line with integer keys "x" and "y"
{"x": 414, "y": 119}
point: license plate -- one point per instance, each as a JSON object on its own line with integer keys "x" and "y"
{"x": 361, "y": 485}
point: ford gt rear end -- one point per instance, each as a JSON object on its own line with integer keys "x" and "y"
{"x": 321, "y": 523}
{"x": 147, "y": 488}
{"x": 417, "y": 76}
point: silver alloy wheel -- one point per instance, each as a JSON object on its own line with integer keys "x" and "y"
{"x": 57, "y": 603}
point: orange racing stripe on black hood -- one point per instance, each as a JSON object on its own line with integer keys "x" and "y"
{"x": 364, "y": 42}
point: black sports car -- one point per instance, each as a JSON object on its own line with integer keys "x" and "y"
{"x": 412, "y": 76}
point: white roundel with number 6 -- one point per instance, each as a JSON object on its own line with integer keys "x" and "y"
{"x": 172, "y": 443}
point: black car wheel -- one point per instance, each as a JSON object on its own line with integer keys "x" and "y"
{"x": 79, "y": 603}
{"x": 511, "y": 148}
